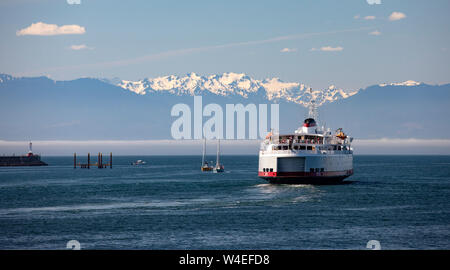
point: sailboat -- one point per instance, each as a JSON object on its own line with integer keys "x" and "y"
{"x": 205, "y": 166}
{"x": 219, "y": 167}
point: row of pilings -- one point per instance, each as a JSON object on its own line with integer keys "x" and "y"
{"x": 99, "y": 164}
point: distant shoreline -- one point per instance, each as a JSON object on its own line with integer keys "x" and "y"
{"x": 385, "y": 146}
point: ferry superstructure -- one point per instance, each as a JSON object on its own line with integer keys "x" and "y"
{"x": 310, "y": 155}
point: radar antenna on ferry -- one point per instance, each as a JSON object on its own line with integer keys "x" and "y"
{"x": 312, "y": 106}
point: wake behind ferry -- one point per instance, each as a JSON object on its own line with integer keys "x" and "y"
{"x": 310, "y": 155}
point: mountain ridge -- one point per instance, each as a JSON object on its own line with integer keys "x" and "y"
{"x": 228, "y": 84}
{"x": 90, "y": 108}
{"x": 231, "y": 83}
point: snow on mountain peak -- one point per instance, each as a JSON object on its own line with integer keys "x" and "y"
{"x": 405, "y": 83}
{"x": 231, "y": 83}
{"x": 230, "y": 77}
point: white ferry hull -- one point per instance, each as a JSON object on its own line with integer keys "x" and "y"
{"x": 292, "y": 168}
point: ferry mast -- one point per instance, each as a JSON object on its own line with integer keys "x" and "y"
{"x": 312, "y": 113}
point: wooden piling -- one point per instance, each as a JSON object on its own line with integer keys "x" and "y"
{"x": 99, "y": 163}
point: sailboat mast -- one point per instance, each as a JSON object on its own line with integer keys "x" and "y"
{"x": 218, "y": 153}
{"x": 204, "y": 150}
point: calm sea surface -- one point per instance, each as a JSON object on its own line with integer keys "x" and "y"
{"x": 401, "y": 201}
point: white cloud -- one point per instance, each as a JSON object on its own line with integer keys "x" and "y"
{"x": 44, "y": 29}
{"x": 373, "y": 2}
{"x": 288, "y": 50}
{"x": 80, "y": 47}
{"x": 74, "y": 2}
{"x": 395, "y": 16}
{"x": 172, "y": 53}
{"x": 328, "y": 49}
{"x": 369, "y": 18}
{"x": 375, "y": 33}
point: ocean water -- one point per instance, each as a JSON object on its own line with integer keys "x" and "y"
{"x": 401, "y": 201}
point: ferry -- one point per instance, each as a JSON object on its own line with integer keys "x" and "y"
{"x": 309, "y": 155}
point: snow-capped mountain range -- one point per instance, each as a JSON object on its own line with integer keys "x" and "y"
{"x": 91, "y": 108}
{"x": 235, "y": 84}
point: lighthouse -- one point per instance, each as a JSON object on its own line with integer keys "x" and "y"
{"x": 30, "y": 152}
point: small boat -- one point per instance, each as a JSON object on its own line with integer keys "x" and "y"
{"x": 139, "y": 162}
{"x": 219, "y": 167}
{"x": 205, "y": 166}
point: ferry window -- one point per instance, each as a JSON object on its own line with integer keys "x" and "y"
{"x": 302, "y": 147}
{"x": 322, "y": 169}
{"x": 271, "y": 169}
{"x": 279, "y": 147}
{"x": 309, "y": 148}
{"x": 317, "y": 169}
{"x": 264, "y": 170}
{"x": 285, "y": 147}
{"x": 311, "y": 170}
{"x": 295, "y": 147}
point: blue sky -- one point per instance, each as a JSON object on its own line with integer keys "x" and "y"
{"x": 347, "y": 43}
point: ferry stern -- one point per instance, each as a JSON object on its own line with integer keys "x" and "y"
{"x": 310, "y": 155}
